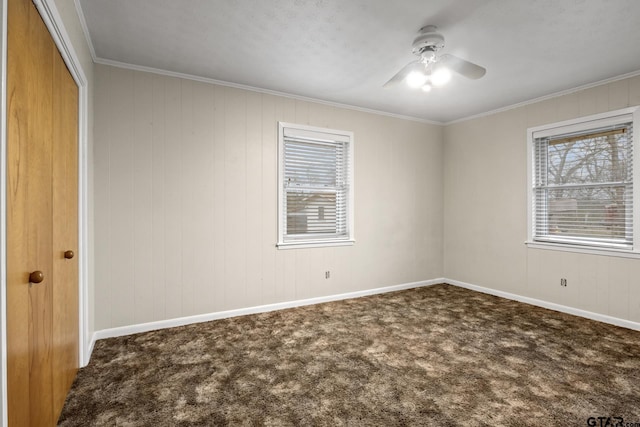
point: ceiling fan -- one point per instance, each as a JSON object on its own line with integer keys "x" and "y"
{"x": 433, "y": 69}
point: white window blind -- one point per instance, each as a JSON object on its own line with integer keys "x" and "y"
{"x": 315, "y": 180}
{"x": 583, "y": 184}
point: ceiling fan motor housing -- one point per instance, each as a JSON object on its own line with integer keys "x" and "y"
{"x": 428, "y": 40}
{"x": 427, "y": 46}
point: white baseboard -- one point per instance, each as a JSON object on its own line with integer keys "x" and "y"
{"x": 550, "y": 305}
{"x": 181, "y": 321}
{"x": 92, "y": 343}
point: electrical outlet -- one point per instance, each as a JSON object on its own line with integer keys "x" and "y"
{"x": 563, "y": 282}
{"x": 327, "y": 274}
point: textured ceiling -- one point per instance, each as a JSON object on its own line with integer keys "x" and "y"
{"x": 345, "y": 50}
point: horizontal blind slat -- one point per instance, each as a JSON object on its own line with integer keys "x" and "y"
{"x": 315, "y": 169}
{"x": 583, "y": 189}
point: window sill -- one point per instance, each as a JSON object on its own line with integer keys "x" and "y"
{"x": 316, "y": 244}
{"x": 564, "y": 247}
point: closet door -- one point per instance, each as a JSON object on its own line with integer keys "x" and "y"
{"x": 65, "y": 231}
{"x": 29, "y": 224}
{"x": 42, "y": 302}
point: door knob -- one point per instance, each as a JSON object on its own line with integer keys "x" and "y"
{"x": 36, "y": 277}
{"x": 68, "y": 254}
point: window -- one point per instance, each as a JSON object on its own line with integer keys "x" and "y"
{"x": 582, "y": 182}
{"x": 315, "y": 180}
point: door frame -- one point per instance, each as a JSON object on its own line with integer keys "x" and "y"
{"x": 52, "y": 19}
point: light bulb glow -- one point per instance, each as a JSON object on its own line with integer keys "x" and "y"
{"x": 440, "y": 77}
{"x": 426, "y": 87}
{"x": 416, "y": 79}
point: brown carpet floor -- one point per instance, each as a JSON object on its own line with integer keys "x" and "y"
{"x": 433, "y": 356}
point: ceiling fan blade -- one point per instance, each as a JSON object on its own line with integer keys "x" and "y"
{"x": 462, "y": 67}
{"x": 404, "y": 72}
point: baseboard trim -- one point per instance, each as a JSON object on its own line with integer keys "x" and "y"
{"x": 550, "y": 305}
{"x": 181, "y": 321}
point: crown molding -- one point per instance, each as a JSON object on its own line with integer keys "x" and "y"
{"x": 185, "y": 76}
{"x": 85, "y": 29}
{"x": 545, "y": 97}
{"x": 118, "y": 64}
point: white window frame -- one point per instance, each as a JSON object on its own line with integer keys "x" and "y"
{"x": 577, "y": 125}
{"x": 318, "y": 134}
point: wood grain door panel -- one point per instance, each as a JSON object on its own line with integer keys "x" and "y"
{"x": 65, "y": 231}
{"x": 29, "y": 228}
{"x": 42, "y": 318}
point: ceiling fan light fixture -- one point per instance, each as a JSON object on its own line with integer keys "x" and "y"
{"x": 432, "y": 67}
{"x": 426, "y": 87}
{"x": 440, "y": 76}
{"x": 415, "y": 79}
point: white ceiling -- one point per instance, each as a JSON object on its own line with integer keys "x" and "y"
{"x": 343, "y": 51}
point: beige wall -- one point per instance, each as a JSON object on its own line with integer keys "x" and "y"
{"x": 485, "y": 221}
{"x": 185, "y": 200}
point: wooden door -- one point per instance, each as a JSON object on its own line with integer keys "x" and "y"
{"x": 39, "y": 330}
{"x": 29, "y": 224}
{"x": 65, "y": 231}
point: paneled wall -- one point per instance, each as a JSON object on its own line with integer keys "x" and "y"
{"x": 485, "y": 218}
{"x": 186, "y": 194}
